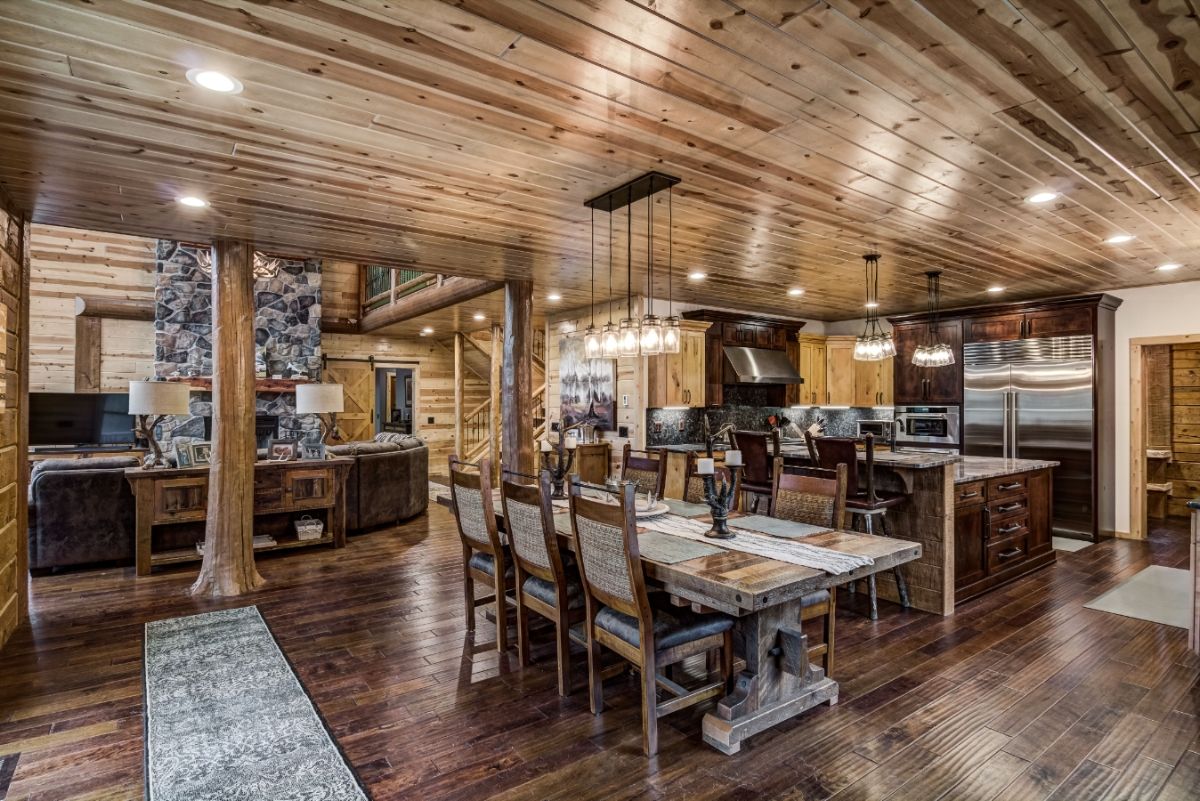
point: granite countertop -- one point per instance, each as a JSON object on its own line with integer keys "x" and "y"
{"x": 690, "y": 447}
{"x": 977, "y": 468}
{"x": 914, "y": 460}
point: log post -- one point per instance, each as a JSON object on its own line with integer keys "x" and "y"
{"x": 517, "y": 380}
{"x": 460, "y": 392}
{"x": 228, "y": 567}
{"x": 494, "y": 409}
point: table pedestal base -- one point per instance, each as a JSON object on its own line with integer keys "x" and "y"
{"x": 726, "y": 735}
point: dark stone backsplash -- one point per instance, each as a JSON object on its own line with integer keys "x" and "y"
{"x": 836, "y": 422}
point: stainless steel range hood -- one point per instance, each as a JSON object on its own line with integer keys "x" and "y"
{"x": 759, "y": 366}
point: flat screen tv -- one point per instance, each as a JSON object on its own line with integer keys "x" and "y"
{"x": 66, "y": 418}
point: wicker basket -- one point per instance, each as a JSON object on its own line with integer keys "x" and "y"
{"x": 309, "y": 528}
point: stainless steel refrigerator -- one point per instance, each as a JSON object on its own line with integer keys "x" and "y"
{"x": 1035, "y": 399}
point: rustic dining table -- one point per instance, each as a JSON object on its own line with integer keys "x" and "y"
{"x": 764, "y": 596}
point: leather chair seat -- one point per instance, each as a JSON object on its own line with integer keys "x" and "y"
{"x": 670, "y": 628}
{"x": 487, "y": 563}
{"x": 547, "y": 593}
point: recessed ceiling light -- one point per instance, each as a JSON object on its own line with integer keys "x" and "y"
{"x": 1119, "y": 239}
{"x": 871, "y": 305}
{"x": 479, "y": 316}
{"x": 995, "y": 290}
{"x": 696, "y": 276}
{"x": 426, "y": 330}
{"x": 795, "y": 291}
{"x": 1166, "y": 268}
{"x": 554, "y": 297}
{"x": 1042, "y": 197}
{"x": 193, "y": 201}
{"x": 215, "y": 81}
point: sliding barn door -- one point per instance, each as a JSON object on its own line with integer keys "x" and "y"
{"x": 358, "y": 382}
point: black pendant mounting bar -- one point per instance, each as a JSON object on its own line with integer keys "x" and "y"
{"x": 629, "y": 193}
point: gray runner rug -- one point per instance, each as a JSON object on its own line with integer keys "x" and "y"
{"x": 227, "y": 719}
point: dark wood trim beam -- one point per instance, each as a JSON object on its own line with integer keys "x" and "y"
{"x": 114, "y": 308}
{"x": 450, "y": 292}
{"x": 87, "y": 354}
{"x": 517, "y": 377}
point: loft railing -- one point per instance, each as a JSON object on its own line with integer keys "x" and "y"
{"x": 385, "y": 285}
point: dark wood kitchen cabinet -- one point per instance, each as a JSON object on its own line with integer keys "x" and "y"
{"x": 736, "y": 330}
{"x": 922, "y": 385}
{"x": 1053, "y": 322}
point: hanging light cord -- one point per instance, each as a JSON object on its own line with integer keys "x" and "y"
{"x": 629, "y": 258}
{"x": 610, "y": 252}
{"x": 670, "y": 253}
{"x": 649, "y": 256}
{"x": 592, "y": 242}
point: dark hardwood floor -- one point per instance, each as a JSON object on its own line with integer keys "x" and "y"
{"x": 1023, "y": 694}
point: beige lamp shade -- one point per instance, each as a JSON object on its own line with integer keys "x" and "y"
{"x": 319, "y": 398}
{"x": 158, "y": 397}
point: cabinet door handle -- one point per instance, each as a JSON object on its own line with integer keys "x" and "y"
{"x": 1009, "y": 529}
{"x": 1009, "y": 554}
{"x": 1007, "y": 487}
{"x": 971, "y": 494}
{"x": 1008, "y": 507}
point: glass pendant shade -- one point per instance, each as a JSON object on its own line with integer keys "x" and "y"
{"x": 873, "y": 345}
{"x": 627, "y": 338}
{"x": 651, "y": 336}
{"x": 592, "y": 345}
{"x": 672, "y": 338}
{"x": 934, "y": 353}
{"x": 610, "y": 346}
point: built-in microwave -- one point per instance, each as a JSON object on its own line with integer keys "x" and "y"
{"x": 881, "y": 430}
{"x": 928, "y": 425}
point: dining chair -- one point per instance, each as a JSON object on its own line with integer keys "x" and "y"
{"x": 547, "y": 582}
{"x": 485, "y": 556}
{"x": 693, "y": 484}
{"x": 818, "y": 500}
{"x": 759, "y": 451}
{"x": 863, "y": 501}
{"x": 621, "y": 619}
{"x": 648, "y": 472}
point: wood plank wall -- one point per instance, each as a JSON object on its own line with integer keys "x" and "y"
{"x": 1184, "y": 469}
{"x": 14, "y": 373}
{"x": 67, "y": 262}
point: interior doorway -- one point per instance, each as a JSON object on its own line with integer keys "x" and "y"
{"x": 1164, "y": 437}
{"x": 395, "y": 398}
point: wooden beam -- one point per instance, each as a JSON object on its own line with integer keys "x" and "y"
{"x": 495, "y": 424}
{"x": 449, "y": 293}
{"x": 113, "y": 308}
{"x": 460, "y": 390}
{"x": 228, "y": 567}
{"x": 87, "y": 354}
{"x": 517, "y": 379}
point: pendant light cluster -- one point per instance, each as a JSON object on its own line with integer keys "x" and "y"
{"x": 933, "y": 353}
{"x": 873, "y": 345}
{"x": 650, "y": 335}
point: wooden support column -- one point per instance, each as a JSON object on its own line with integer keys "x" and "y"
{"x": 494, "y": 409}
{"x": 459, "y": 394}
{"x": 517, "y": 381}
{"x": 228, "y": 566}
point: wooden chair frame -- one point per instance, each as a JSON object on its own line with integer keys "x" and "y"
{"x": 644, "y": 658}
{"x": 656, "y": 463}
{"x": 720, "y": 472}
{"x": 772, "y": 453}
{"x": 482, "y": 482}
{"x": 559, "y": 614}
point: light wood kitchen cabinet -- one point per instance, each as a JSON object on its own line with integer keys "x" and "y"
{"x": 677, "y": 379}
{"x": 808, "y": 355}
{"x": 839, "y": 372}
{"x": 873, "y": 383}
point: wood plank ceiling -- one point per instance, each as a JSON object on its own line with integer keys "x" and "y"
{"x": 464, "y": 137}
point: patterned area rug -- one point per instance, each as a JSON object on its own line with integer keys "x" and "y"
{"x": 227, "y": 719}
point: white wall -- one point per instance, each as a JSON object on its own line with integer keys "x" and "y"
{"x": 1166, "y": 310}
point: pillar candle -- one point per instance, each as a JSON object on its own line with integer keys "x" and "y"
{"x": 571, "y": 442}
{"x": 704, "y": 467}
{"x": 545, "y": 446}
{"x": 733, "y": 458}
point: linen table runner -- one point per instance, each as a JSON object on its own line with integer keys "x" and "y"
{"x": 783, "y": 550}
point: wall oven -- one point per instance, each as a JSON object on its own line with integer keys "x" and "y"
{"x": 928, "y": 427}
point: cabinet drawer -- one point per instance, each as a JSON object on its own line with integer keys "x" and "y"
{"x": 1007, "y": 552}
{"x": 1007, "y": 486}
{"x": 1000, "y": 530}
{"x": 969, "y": 494}
{"x": 1012, "y": 506}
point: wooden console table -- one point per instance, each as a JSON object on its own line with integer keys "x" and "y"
{"x": 180, "y": 495}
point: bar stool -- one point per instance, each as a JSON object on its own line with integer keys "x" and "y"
{"x": 759, "y": 451}
{"x": 864, "y": 503}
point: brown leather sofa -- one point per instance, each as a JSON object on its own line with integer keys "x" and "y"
{"x": 389, "y": 482}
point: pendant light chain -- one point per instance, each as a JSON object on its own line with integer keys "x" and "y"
{"x": 593, "y": 344}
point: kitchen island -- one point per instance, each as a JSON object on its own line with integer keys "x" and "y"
{"x": 981, "y": 521}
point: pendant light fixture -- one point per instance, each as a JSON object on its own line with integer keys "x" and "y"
{"x": 628, "y": 341}
{"x": 592, "y": 346}
{"x": 672, "y": 337}
{"x": 608, "y": 334}
{"x": 873, "y": 345}
{"x": 933, "y": 353}
{"x": 651, "y": 330}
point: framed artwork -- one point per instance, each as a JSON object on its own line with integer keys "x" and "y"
{"x": 312, "y": 450}
{"x": 201, "y": 453}
{"x": 408, "y": 391}
{"x": 183, "y": 454}
{"x": 588, "y": 386}
{"x": 283, "y": 450}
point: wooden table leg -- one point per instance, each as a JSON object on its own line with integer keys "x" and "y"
{"x": 778, "y": 682}
{"x": 143, "y": 528}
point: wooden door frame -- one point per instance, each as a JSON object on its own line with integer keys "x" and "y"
{"x": 1137, "y": 426}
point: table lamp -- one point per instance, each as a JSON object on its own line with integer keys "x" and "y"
{"x": 152, "y": 401}
{"x": 323, "y": 400}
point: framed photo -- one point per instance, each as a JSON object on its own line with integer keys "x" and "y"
{"x": 201, "y": 453}
{"x": 283, "y": 450}
{"x": 312, "y": 450}
{"x": 183, "y": 454}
